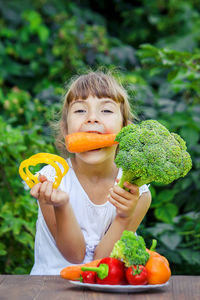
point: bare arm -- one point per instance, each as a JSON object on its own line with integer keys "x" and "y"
{"x": 140, "y": 211}
{"x": 69, "y": 237}
{"x": 130, "y": 213}
{"x": 113, "y": 234}
{"x": 61, "y": 221}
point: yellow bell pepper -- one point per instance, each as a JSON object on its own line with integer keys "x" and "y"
{"x": 46, "y": 158}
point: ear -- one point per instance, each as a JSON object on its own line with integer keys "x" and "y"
{"x": 63, "y": 128}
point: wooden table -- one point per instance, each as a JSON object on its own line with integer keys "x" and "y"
{"x": 25, "y": 287}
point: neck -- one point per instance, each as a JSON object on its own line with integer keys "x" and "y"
{"x": 94, "y": 172}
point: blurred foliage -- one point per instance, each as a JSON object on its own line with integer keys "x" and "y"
{"x": 159, "y": 22}
{"x": 156, "y": 45}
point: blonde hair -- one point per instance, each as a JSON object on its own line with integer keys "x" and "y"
{"x": 99, "y": 84}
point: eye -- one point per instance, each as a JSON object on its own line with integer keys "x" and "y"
{"x": 79, "y": 111}
{"x": 107, "y": 111}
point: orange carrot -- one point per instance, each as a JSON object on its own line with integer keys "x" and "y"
{"x": 74, "y": 272}
{"x": 86, "y": 141}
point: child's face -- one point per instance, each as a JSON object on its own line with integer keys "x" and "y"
{"x": 102, "y": 115}
{"x": 93, "y": 114}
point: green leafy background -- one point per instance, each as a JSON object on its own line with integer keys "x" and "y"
{"x": 155, "y": 45}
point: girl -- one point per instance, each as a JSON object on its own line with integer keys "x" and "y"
{"x": 83, "y": 219}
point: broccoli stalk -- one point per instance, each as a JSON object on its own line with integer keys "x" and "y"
{"x": 126, "y": 177}
{"x": 130, "y": 249}
{"x": 149, "y": 152}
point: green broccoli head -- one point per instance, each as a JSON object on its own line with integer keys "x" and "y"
{"x": 149, "y": 152}
{"x": 130, "y": 249}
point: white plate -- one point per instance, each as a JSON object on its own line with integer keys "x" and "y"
{"x": 119, "y": 288}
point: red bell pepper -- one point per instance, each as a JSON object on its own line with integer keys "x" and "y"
{"x": 88, "y": 277}
{"x": 109, "y": 271}
{"x": 136, "y": 275}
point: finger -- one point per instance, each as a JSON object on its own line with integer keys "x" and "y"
{"x": 119, "y": 198}
{"x": 43, "y": 189}
{"x": 48, "y": 191}
{"x": 122, "y": 209}
{"x": 54, "y": 196}
{"x": 62, "y": 197}
{"x": 35, "y": 190}
{"x": 133, "y": 188}
{"x": 117, "y": 204}
{"x": 130, "y": 189}
{"x": 58, "y": 197}
{"x": 49, "y": 199}
{"x": 121, "y": 192}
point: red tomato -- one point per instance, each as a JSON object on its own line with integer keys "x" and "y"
{"x": 88, "y": 277}
{"x": 136, "y": 275}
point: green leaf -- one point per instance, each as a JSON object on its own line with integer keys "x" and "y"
{"x": 20, "y": 270}
{"x": 174, "y": 257}
{"x": 191, "y": 256}
{"x": 166, "y": 213}
{"x": 17, "y": 224}
{"x": 171, "y": 240}
{"x": 164, "y": 196}
{"x": 2, "y": 249}
{"x": 179, "y": 120}
{"x": 43, "y": 33}
{"x": 186, "y": 182}
{"x": 172, "y": 75}
{"x": 25, "y": 238}
{"x": 159, "y": 228}
{"x": 190, "y": 135}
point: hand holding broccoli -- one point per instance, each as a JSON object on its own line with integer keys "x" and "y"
{"x": 124, "y": 201}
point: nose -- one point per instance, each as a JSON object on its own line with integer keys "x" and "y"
{"x": 92, "y": 118}
{"x": 93, "y": 121}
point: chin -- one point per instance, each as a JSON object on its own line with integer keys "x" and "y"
{"x": 94, "y": 156}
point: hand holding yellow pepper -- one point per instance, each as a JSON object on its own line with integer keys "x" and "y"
{"x": 46, "y": 158}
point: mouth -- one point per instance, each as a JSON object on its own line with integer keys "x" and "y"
{"x": 90, "y": 131}
{"x": 95, "y": 150}
{"x": 98, "y": 132}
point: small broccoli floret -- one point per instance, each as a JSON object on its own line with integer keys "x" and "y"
{"x": 130, "y": 249}
{"x": 149, "y": 152}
